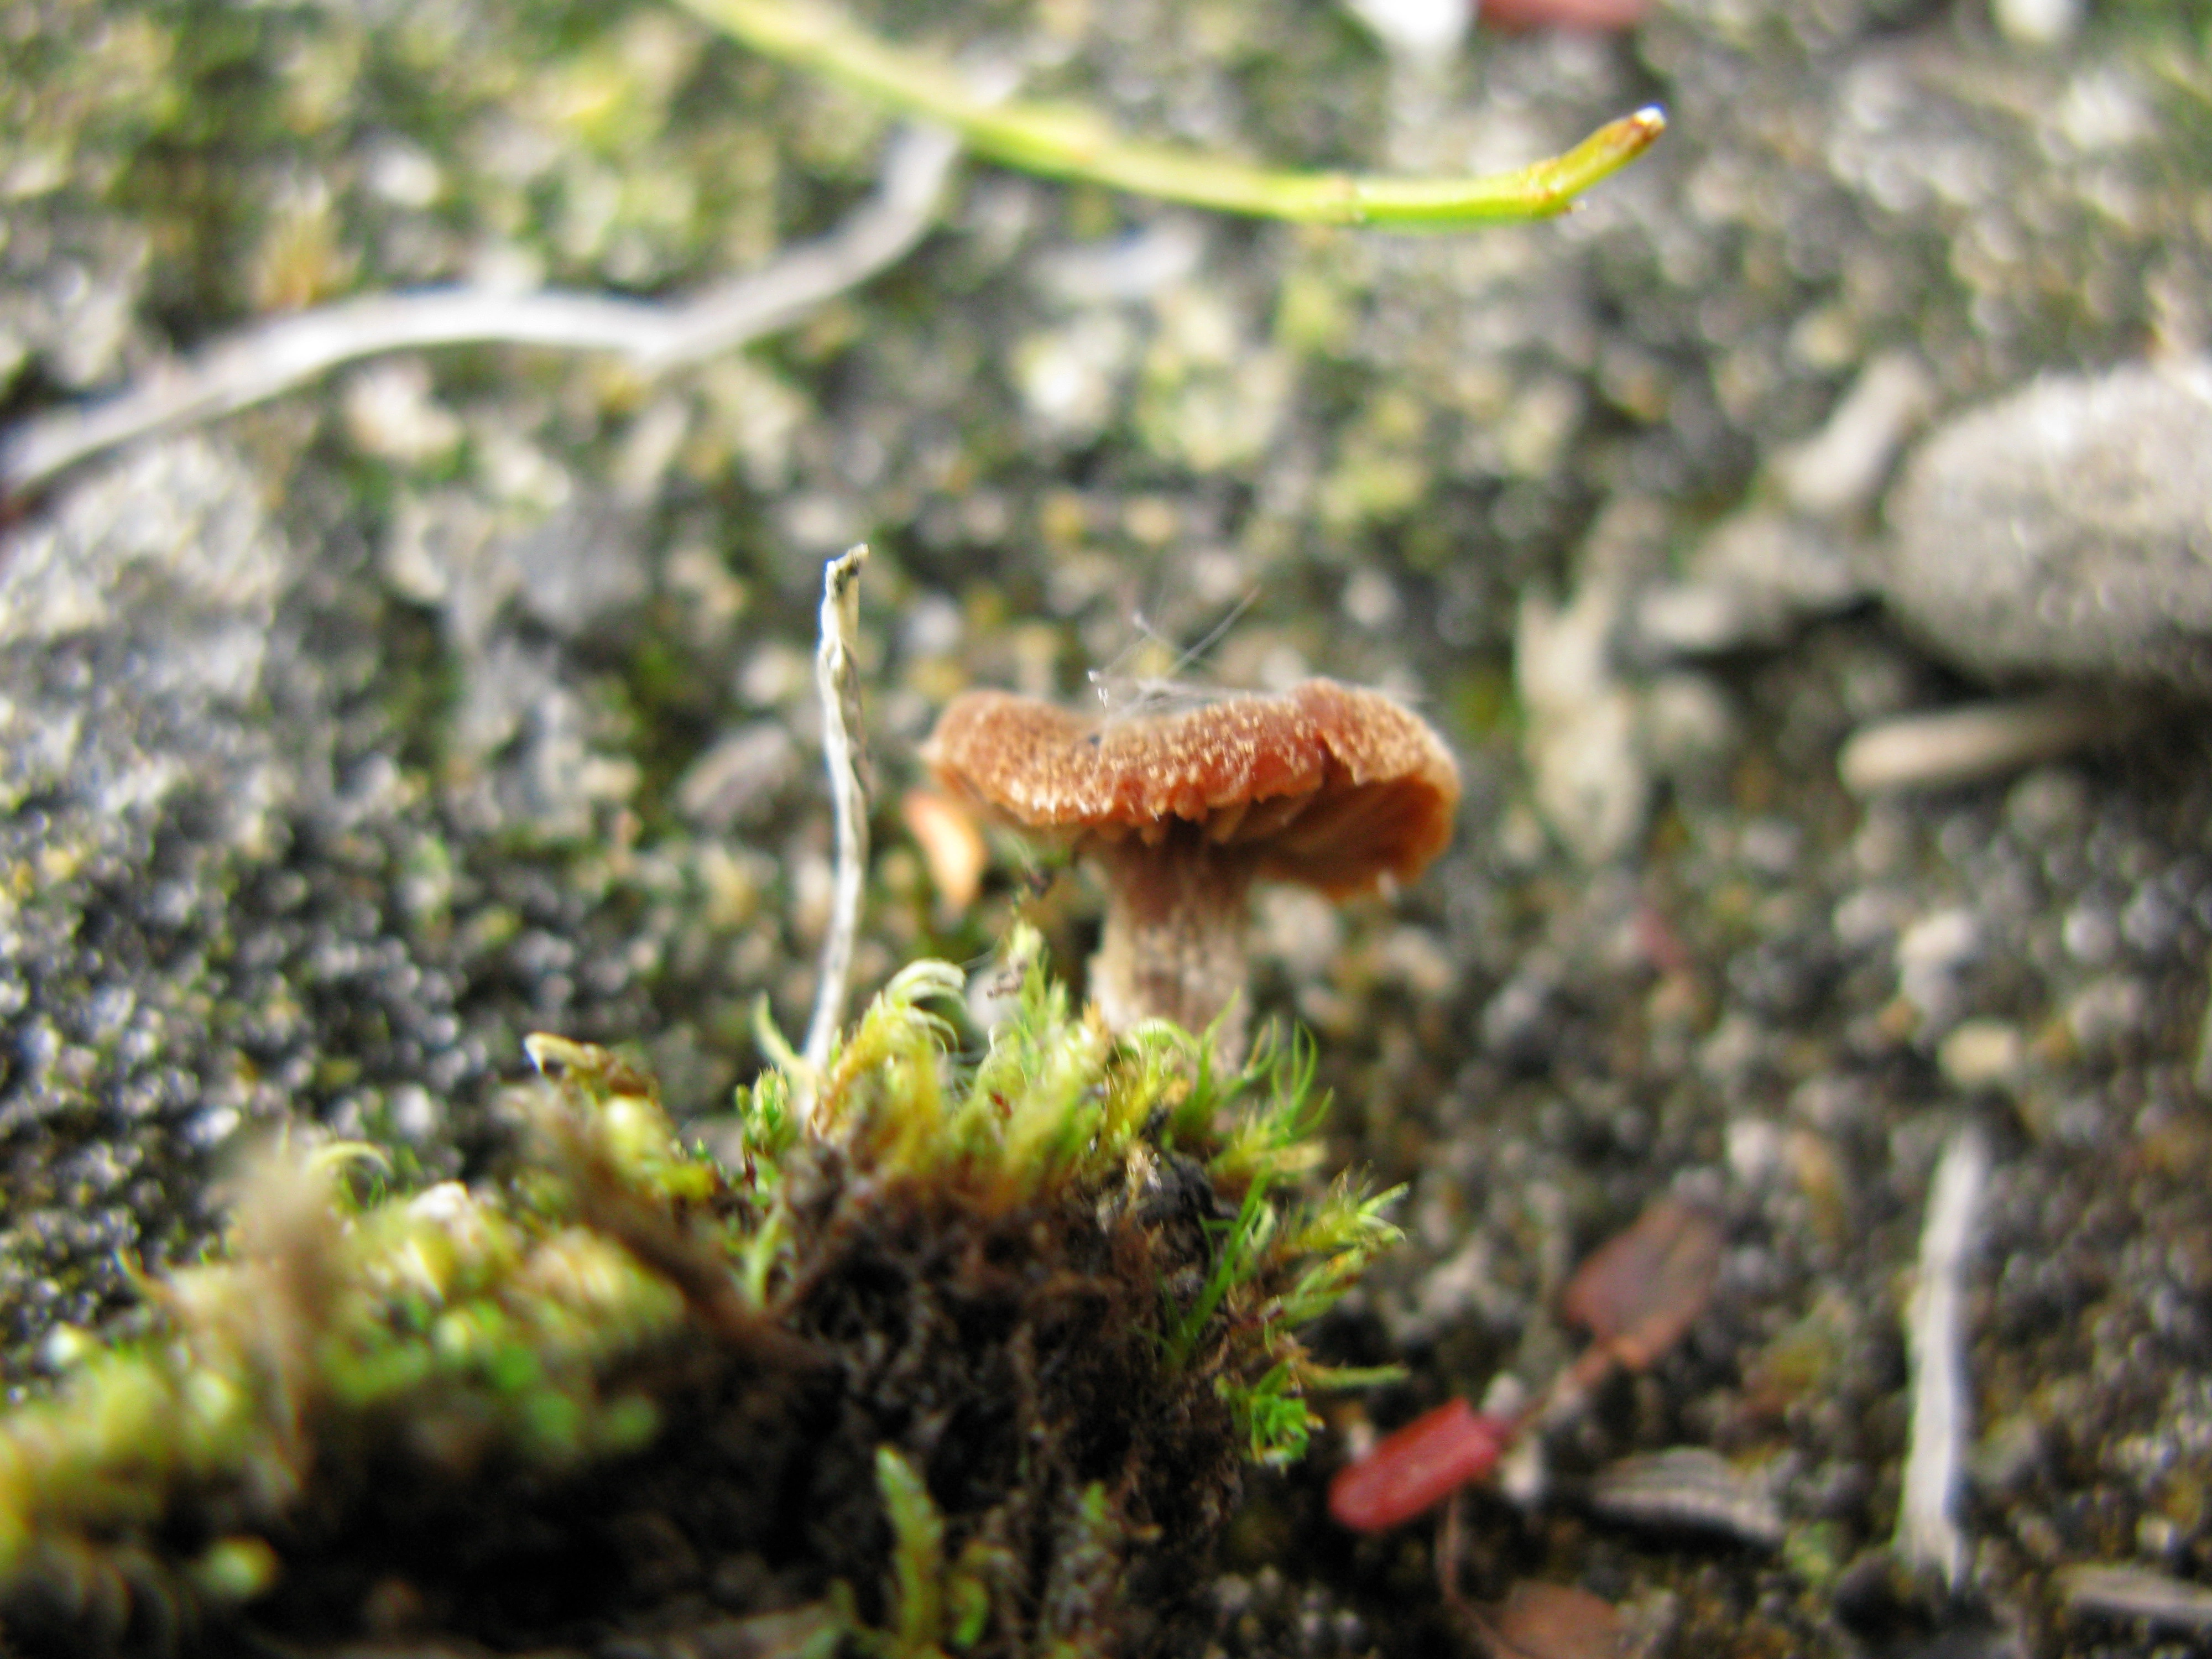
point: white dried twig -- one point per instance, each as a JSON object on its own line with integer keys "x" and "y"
{"x": 2123, "y": 1591}
{"x": 273, "y": 358}
{"x": 838, "y": 688}
{"x": 1951, "y": 747}
{"x": 1928, "y": 1533}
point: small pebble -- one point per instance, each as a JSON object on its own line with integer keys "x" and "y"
{"x": 1968, "y": 744}
{"x": 1839, "y": 468}
{"x": 1424, "y": 31}
{"x": 1689, "y": 727}
{"x": 1752, "y": 581}
{"x": 390, "y": 413}
{"x": 2065, "y": 530}
{"x": 1584, "y": 744}
{"x": 1930, "y": 955}
{"x": 1981, "y": 1053}
{"x": 1689, "y": 1488}
{"x": 737, "y": 779}
{"x": 2108, "y": 1013}
{"x": 2037, "y": 22}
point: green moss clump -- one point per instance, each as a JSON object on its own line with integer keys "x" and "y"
{"x": 963, "y": 1357}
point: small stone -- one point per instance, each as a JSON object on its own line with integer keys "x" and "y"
{"x": 1584, "y": 744}
{"x": 2090, "y": 935}
{"x": 1689, "y": 1488}
{"x": 2106, "y": 1013}
{"x": 580, "y": 566}
{"x": 1299, "y": 928}
{"x": 1134, "y": 267}
{"x": 737, "y": 778}
{"x": 1754, "y": 1150}
{"x": 1839, "y": 468}
{"x": 1931, "y": 954}
{"x": 1421, "y": 31}
{"x": 2037, "y": 22}
{"x": 390, "y": 413}
{"x": 1071, "y": 377}
{"x": 402, "y": 174}
{"x": 1754, "y": 580}
{"x": 413, "y": 1113}
{"x": 1516, "y": 1021}
{"x": 1981, "y": 1053}
{"x": 2048, "y": 806}
{"x": 1689, "y": 727}
{"x": 1370, "y": 601}
{"x": 2066, "y": 530}
{"x": 1697, "y": 619}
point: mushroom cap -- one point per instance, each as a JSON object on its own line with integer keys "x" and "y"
{"x": 1329, "y": 785}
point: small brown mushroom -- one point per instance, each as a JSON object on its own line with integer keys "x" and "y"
{"x": 1326, "y": 784}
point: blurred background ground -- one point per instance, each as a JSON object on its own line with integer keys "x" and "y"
{"x": 349, "y": 739}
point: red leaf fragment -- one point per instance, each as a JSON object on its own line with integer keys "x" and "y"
{"x": 1642, "y": 1289}
{"x": 1588, "y": 16}
{"x": 1417, "y": 1466}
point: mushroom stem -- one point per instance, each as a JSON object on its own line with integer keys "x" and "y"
{"x": 1174, "y": 943}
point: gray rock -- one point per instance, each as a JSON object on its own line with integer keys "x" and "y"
{"x": 137, "y": 779}
{"x": 2066, "y": 530}
{"x": 1760, "y": 575}
{"x": 581, "y": 567}
{"x": 1838, "y": 470}
{"x": 134, "y": 622}
{"x": 736, "y": 779}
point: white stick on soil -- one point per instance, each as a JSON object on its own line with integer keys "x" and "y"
{"x": 1927, "y": 1532}
{"x": 271, "y": 359}
{"x": 838, "y": 687}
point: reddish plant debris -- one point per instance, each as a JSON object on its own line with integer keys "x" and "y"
{"x": 1641, "y": 1291}
{"x": 1637, "y": 1296}
{"x": 1587, "y": 16}
{"x": 1414, "y": 1468}
{"x": 1550, "y": 1621}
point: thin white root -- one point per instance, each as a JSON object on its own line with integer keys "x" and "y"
{"x": 274, "y": 358}
{"x": 1928, "y": 1533}
{"x": 838, "y": 688}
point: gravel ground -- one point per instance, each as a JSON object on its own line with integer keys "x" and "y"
{"x": 350, "y": 738}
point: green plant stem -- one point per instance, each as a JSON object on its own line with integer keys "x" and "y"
{"x": 1065, "y": 144}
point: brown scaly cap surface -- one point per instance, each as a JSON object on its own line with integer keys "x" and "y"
{"x": 1328, "y": 785}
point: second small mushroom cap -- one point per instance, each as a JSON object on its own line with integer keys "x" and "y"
{"x": 1329, "y": 786}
